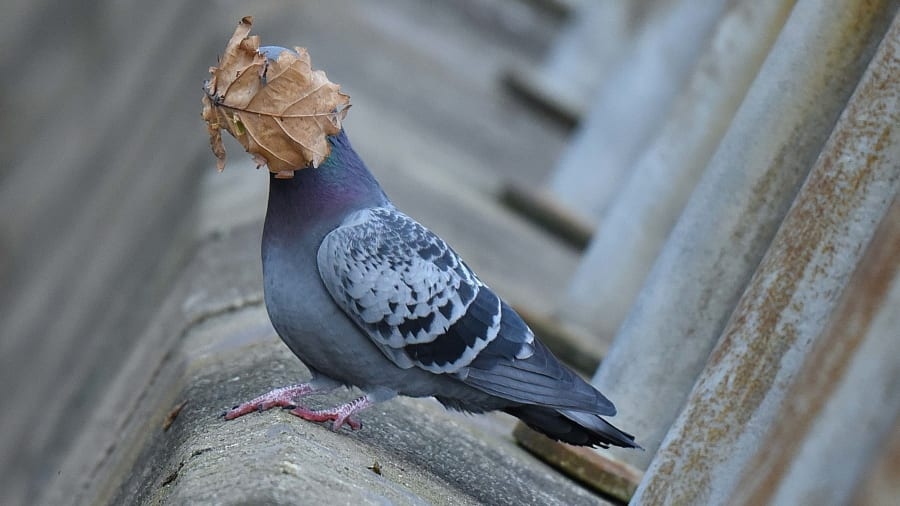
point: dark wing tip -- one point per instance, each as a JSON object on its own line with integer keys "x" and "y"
{"x": 573, "y": 427}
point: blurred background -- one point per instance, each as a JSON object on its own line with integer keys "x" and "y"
{"x": 624, "y": 173}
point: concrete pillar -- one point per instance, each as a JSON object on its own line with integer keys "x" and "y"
{"x": 881, "y": 485}
{"x": 631, "y": 104}
{"x": 643, "y": 212}
{"x": 787, "y": 305}
{"x": 839, "y": 412}
{"x": 594, "y": 39}
{"x": 734, "y": 212}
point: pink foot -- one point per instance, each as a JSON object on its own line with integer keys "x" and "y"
{"x": 282, "y": 397}
{"x": 341, "y": 415}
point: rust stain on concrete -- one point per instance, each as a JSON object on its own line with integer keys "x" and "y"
{"x": 743, "y": 367}
{"x": 828, "y": 362}
{"x": 869, "y": 138}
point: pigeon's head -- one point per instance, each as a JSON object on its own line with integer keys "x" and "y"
{"x": 272, "y": 53}
{"x": 273, "y": 94}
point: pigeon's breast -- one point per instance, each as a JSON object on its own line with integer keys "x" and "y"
{"x": 313, "y": 326}
{"x": 304, "y": 314}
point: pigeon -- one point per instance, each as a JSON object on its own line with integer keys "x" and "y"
{"x": 367, "y": 297}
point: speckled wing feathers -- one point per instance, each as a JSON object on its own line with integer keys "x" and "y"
{"x": 410, "y": 292}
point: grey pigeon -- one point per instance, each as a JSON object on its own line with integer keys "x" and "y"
{"x": 365, "y": 296}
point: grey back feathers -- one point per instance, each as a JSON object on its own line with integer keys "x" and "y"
{"x": 411, "y": 293}
{"x": 424, "y": 307}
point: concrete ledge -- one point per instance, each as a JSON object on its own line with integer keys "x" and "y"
{"x": 544, "y": 210}
{"x": 211, "y": 346}
{"x": 223, "y": 275}
{"x": 526, "y": 84}
{"x": 599, "y": 471}
{"x": 556, "y": 8}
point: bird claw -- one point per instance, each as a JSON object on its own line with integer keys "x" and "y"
{"x": 338, "y": 418}
{"x": 284, "y": 397}
{"x": 254, "y": 405}
{"x": 339, "y": 415}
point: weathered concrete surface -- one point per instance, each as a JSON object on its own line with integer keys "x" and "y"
{"x": 785, "y": 310}
{"x": 733, "y": 215}
{"x": 212, "y": 346}
{"x": 643, "y": 211}
{"x": 840, "y": 409}
{"x": 881, "y": 487}
{"x": 629, "y": 107}
{"x": 593, "y": 39}
{"x": 607, "y": 476}
{"x": 95, "y": 191}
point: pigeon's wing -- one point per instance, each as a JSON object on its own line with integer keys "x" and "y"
{"x": 408, "y": 291}
{"x": 423, "y": 307}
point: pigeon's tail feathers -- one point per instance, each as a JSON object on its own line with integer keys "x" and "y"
{"x": 549, "y": 397}
{"x": 540, "y": 379}
{"x": 573, "y": 427}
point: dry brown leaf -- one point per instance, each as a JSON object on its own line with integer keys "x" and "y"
{"x": 281, "y": 111}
